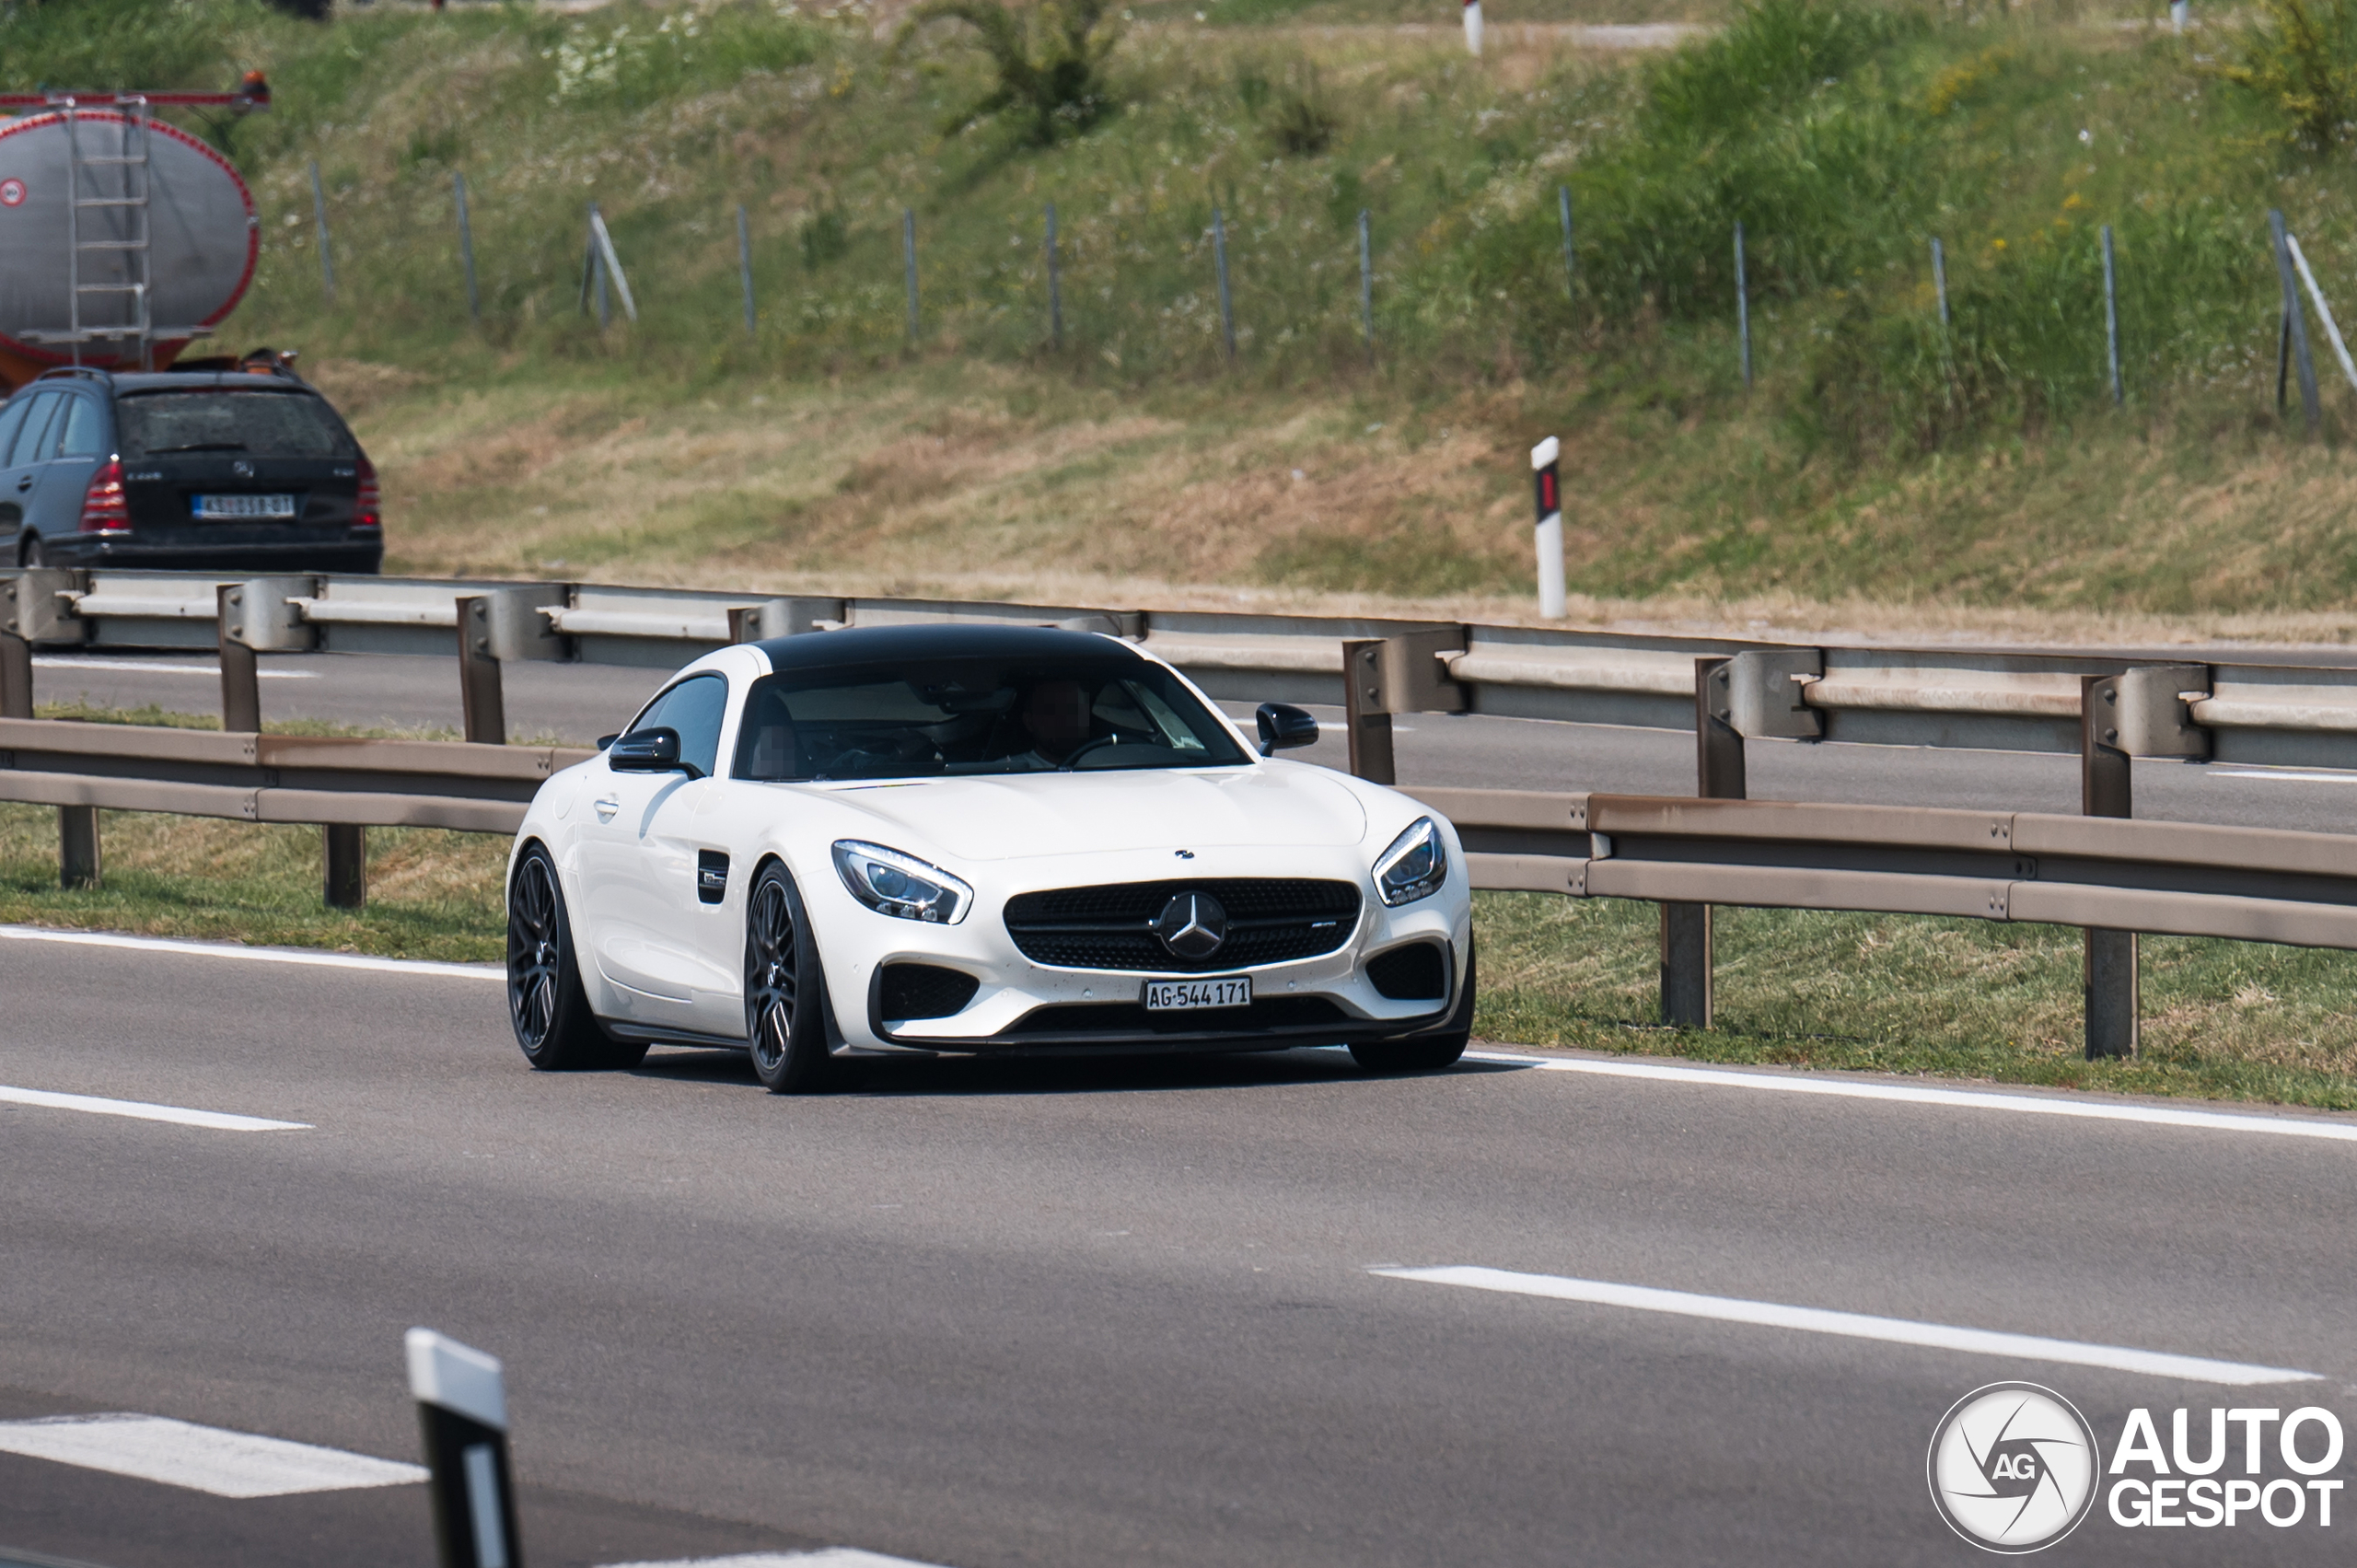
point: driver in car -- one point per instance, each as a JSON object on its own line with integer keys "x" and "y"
{"x": 1057, "y": 715}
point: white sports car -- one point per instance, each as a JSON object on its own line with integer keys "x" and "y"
{"x": 981, "y": 840}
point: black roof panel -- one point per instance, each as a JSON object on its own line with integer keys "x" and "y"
{"x": 890, "y": 644}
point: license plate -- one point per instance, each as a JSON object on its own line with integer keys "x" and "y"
{"x": 1179, "y": 995}
{"x": 244, "y": 505}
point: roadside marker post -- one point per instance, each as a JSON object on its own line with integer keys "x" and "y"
{"x": 467, "y": 247}
{"x": 319, "y": 218}
{"x": 1547, "y": 478}
{"x": 462, "y": 1416}
{"x": 1473, "y": 28}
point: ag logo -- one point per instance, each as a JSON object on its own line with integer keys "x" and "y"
{"x": 2013, "y": 1467}
{"x": 12, "y": 193}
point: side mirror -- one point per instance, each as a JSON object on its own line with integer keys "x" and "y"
{"x": 648, "y": 751}
{"x": 1284, "y": 726}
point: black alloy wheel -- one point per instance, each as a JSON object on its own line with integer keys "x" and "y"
{"x": 545, "y": 999}
{"x": 1431, "y": 1052}
{"x": 785, "y": 991}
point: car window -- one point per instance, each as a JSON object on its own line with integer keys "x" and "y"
{"x": 82, "y": 436}
{"x": 12, "y": 416}
{"x": 694, "y": 707}
{"x": 976, "y": 715}
{"x": 266, "y": 423}
{"x": 36, "y": 425}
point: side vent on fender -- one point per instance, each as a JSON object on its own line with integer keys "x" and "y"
{"x": 711, "y": 876}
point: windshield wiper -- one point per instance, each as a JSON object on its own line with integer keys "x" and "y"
{"x": 199, "y": 447}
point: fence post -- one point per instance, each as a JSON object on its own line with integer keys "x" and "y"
{"x": 1548, "y": 487}
{"x": 2323, "y": 311}
{"x": 1742, "y": 308}
{"x": 1940, "y": 279}
{"x": 240, "y": 672}
{"x": 462, "y": 1418}
{"x": 1219, "y": 261}
{"x": 745, "y": 269}
{"x": 2110, "y": 318}
{"x": 1571, "y": 268}
{"x": 467, "y": 247}
{"x": 2292, "y": 342}
{"x": 909, "y": 263}
{"x": 1055, "y": 288}
{"x": 1366, "y": 286}
{"x": 1366, "y": 709}
{"x": 2104, "y": 790}
{"x": 1686, "y": 999}
{"x": 479, "y": 688}
{"x": 320, "y": 217}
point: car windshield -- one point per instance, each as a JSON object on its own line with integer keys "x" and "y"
{"x": 264, "y": 424}
{"x": 977, "y": 716}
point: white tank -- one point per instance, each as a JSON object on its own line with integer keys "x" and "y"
{"x": 197, "y": 218}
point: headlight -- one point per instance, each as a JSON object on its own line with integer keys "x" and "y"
{"x": 900, "y": 885}
{"x": 1414, "y": 866}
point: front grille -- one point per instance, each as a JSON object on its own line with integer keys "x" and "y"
{"x": 1271, "y": 920}
{"x": 1132, "y": 1019}
{"x": 923, "y": 990}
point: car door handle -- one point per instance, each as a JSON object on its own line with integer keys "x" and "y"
{"x": 25, "y": 484}
{"x": 606, "y": 809}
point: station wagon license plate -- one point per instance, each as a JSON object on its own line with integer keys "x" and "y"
{"x": 1181, "y": 995}
{"x": 244, "y": 505}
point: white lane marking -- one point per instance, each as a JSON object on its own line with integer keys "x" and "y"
{"x": 2298, "y": 776}
{"x": 1856, "y": 1325}
{"x": 148, "y": 667}
{"x": 1910, "y": 1094}
{"x": 828, "y": 1557}
{"x": 259, "y": 955}
{"x": 140, "y": 1110}
{"x": 202, "y": 1458}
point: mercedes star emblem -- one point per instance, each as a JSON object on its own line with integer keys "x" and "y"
{"x": 1191, "y": 925}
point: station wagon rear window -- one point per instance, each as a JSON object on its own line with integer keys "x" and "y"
{"x": 232, "y": 420}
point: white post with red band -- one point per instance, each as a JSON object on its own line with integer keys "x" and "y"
{"x": 1543, "y": 461}
{"x": 1474, "y": 27}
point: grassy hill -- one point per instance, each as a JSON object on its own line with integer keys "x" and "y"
{"x": 1882, "y": 471}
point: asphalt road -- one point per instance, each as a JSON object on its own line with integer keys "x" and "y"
{"x": 576, "y": 704}
{"x": 1070, "y": 1314}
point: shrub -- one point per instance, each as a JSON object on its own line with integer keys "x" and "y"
{"x": 1048, "y": 56}
{"x": 2300, "y": 56}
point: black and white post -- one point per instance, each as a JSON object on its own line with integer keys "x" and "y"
{"x": 1473, "y": 28}
{"x": 1742, "y": 308}
{"x": 466, "y": 246}
{"x": 319, "y": 220}
{"x": 1219, "y": 263}
{"x": 1055, "y": 288}
{"x": 1548, "y": 478}
{"x": 2111, "y": 318}
{"x": 1940, "y": 279}
{"x": 745, "y": 269}
{"x": 462, "y": 1414}
{"x": 909, "y": 263}
{"x": 1366, "y": 286}
{"x": 1570, "y": 267}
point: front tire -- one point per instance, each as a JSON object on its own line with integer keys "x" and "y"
{"x": 1428, "y": 1054}
{"x": 546, "y": 1003}
{"x": 785, "y": 991}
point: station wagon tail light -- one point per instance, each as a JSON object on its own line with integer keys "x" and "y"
{"x": 104, "y": 508}
{"x": 900, "y": 885}
{"x": 367, "y": 511}
{"x": 1414, "y": 866}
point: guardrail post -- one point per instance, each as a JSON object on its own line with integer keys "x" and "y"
{"x": 1366, "y": 708}
{"x": 241, "y": 671}
{"x": 345, "y": 851}
{"x": 77, "y": 846}
{"x": 1686, "y": 999}
{"x": 2106, "y": 790}
{"x": 462, "y": 1415}
{"x": 478, "y": 690}
{"x": 16, "y": 653}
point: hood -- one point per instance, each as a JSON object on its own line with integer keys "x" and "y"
{"x": 1006, "y": 817}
